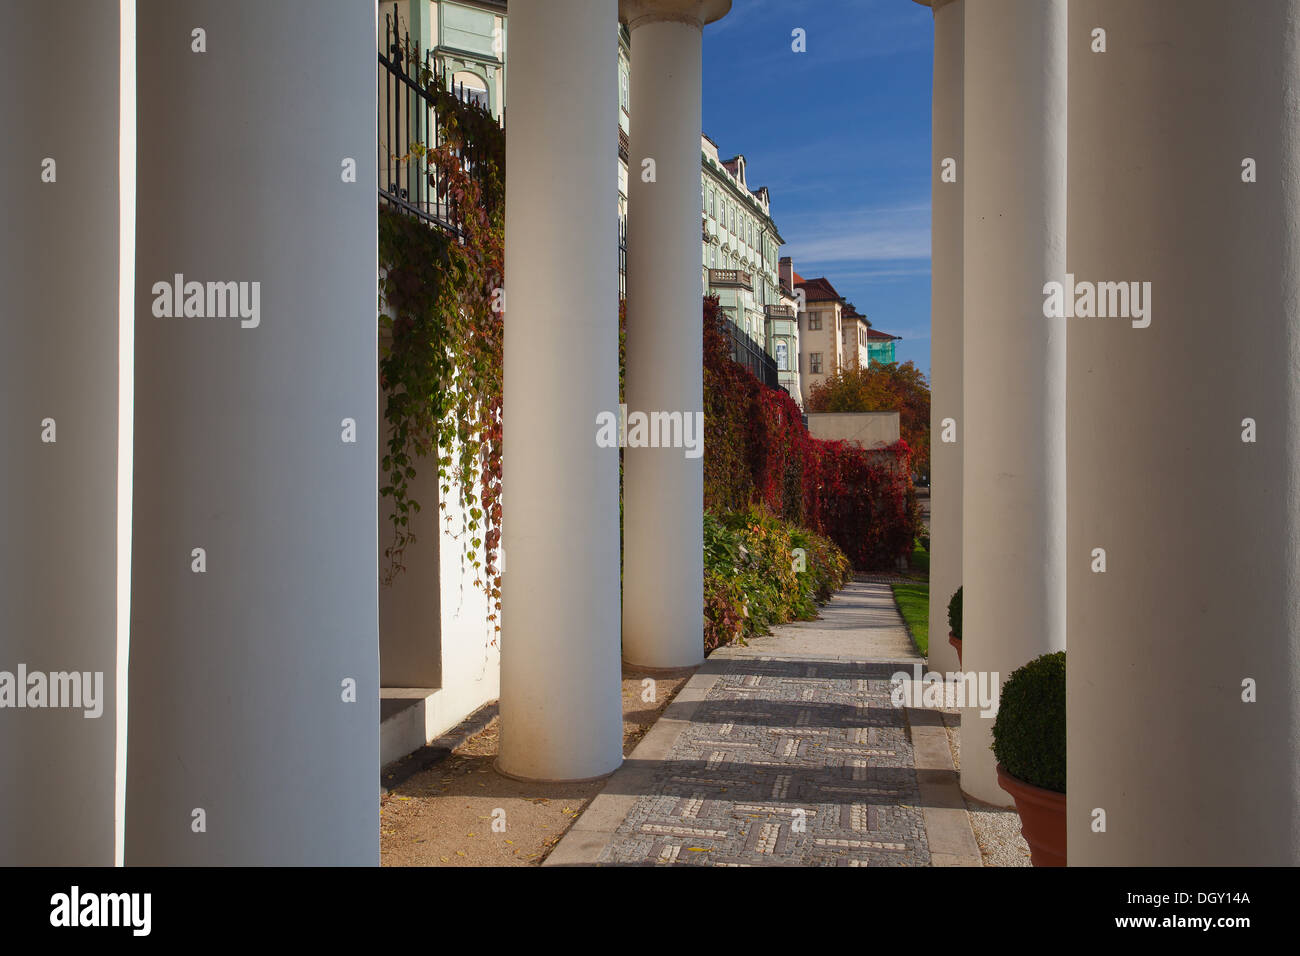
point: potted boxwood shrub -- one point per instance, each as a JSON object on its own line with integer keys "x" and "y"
{"x": 954, "y": 623}
{"x": 1029, "y": 744}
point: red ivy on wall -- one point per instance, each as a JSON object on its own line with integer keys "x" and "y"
{"x": 756, "y": 448}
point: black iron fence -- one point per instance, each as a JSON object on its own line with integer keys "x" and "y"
{"x": 408, "y": 129}
{"x": 622, "y": 258}
{"x": 751, "y": 355}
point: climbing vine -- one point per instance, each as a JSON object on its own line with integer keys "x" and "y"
{"x": 757, "y": 450}
{"x": 441, "y": 299}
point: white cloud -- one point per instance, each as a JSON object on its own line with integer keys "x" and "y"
{"x": 868, "y": 276}
{"x": 858, "y": 235}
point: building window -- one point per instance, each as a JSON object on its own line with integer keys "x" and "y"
{"x": 713, "y": 209}
{"x": 471, "y": 87}
{"x": 624, "y": 97}
{"x": 782, "y": 356}
{"x": 815, "y": 363}
{"x": 814, "y": 321}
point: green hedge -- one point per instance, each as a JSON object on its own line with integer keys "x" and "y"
{"x": 1029, "y": 732}
{"x": 954, "y": 614}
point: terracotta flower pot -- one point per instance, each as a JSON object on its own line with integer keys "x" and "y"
{"x": 955, "y": 642}
{"x": 1042, "y": 818}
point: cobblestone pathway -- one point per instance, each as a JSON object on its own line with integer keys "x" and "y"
{"x": 786, "y": 761}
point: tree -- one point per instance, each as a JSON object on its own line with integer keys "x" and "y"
{"x": 883, "y": 388}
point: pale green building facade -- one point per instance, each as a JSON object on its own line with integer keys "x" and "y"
{"x": 467, "y": 41}
{"x": 739, "y": 263}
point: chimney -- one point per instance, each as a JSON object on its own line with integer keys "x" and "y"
{"x": 786, "y": 269}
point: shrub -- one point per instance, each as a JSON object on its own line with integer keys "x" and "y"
{"x": 1029, "y": 732}
{"x": 828, "y": 567}
{"x": 752, "y": 579}
{"x": 724, "y": 621}
{"x": 954, "y": 614}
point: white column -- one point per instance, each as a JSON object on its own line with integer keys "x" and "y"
{"x": 1013, "y": 358}
{"x": 663, "y": 488}
{"x": 947, "y": 174}
{"x": 1200, "y": 528}
{"x": 254, "y": 684}
{"x": 59, "y": 426}
{"x": 561, "y": 699}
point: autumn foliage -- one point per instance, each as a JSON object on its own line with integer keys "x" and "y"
{"x": 893, "y": 387}
{"x": 757, "y": 450}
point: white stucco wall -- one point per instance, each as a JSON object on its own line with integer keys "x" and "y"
{"x": 866, "y": 429}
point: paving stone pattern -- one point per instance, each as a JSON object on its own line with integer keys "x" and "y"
{"x": 786, "y": 762}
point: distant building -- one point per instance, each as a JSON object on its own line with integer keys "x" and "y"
{"x": 864, "y": 343}
{"x": 783, "y": 331}
{"x": 833, "y": 334}
{"x": 821, "y": 332}
{"x": 740, "y": 262}
{"x": 738, "y": 228}
{"x": 466, "y": 42}
{"x": 881, "y": 346}
{"x": 854, "y": 328}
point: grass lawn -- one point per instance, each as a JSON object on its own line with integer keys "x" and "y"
{"x": 919, "y": 560}
{"x": 913, "y": 599}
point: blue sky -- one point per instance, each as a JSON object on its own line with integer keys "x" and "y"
{"x": 840, "y": 135}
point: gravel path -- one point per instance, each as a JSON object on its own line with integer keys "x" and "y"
{"x": 997, "y": 831}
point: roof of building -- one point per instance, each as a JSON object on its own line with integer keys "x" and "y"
{"x": 850, "y": 312}
{"x": 876, "y": 334}
{"x": 818, "y": 289}
{"x": 729, "y": 173}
